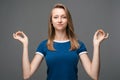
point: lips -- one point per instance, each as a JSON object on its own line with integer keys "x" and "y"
{"x": 60, "y": 24}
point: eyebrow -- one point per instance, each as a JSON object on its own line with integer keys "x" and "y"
{"x": 60, "y": 15}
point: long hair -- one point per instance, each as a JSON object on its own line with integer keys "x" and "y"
{"x": 69, "y": 30}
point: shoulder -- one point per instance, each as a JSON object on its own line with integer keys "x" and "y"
{"x": 43, "y": 41}
{"x": 80, "y": 42}
{"x": 42, "y": 47}
{"x": 82, "y": 45}
{"x": 82, "y": 48}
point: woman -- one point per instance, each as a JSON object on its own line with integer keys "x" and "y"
{"x": 61, "y": 50}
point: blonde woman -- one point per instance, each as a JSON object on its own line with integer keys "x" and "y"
{"x": 62, "y": 50}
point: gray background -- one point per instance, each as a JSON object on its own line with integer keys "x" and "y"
{"x": 31, "y": 16}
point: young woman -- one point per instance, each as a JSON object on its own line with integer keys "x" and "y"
{"x": 62, "y": 50}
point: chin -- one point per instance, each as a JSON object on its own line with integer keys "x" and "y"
{"x": 60, "y": 28}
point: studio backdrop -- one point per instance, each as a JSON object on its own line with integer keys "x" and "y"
{"x": 31, "y": 16}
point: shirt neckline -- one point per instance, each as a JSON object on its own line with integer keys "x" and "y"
{"x": 59, "y": 41}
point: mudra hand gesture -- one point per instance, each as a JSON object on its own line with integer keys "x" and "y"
{"x": 99, "y": 36}
{"x": 19, "y": 35}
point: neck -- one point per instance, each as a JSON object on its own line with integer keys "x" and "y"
{"x": 61, "y": 35}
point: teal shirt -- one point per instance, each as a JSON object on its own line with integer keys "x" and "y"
{"x": 61, "y": 63}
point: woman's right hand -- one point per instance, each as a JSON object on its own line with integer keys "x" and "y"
{"x": 19, "y": 35}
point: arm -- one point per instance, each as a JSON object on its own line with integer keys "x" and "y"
{"x": 28, "y": 68}
{"x": 93, "y": 67}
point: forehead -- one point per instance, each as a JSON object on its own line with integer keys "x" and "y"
{"x": 58, "y": 11}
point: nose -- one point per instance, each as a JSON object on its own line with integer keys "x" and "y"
{"x": 59, "y": 20}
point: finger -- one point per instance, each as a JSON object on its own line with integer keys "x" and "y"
{"x": 23, "y": 33}
{"x": 99, "y": 31}
{"x": 20, "y": 34}
{"x": 96, "y": 33}
{"x": 102, "y": 32}
{"x": 107, "y": 35}
{"x": 14, "y": 35}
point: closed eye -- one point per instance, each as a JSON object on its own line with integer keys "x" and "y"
{"x": 64, "y": 17}
{"x": 55, "y": 17}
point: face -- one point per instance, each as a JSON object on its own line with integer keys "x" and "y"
{"x": 59, "y": 19}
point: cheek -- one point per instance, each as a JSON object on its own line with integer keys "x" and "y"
{"x": 54, "y": 21}
{"x": 66, "y": 22}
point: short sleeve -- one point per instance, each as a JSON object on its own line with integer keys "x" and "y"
{"x": 82, "y": 49}
{"x": 41, "y": 49}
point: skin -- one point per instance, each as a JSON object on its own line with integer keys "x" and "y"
{"x": 59, "y": 21}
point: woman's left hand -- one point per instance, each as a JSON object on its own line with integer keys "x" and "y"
{"x": 99, "y": 36}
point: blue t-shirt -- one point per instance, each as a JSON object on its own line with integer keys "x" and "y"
{"x": 61, "y": 63}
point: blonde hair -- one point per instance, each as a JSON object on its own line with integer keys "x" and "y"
{"x": 69, "y": 30}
